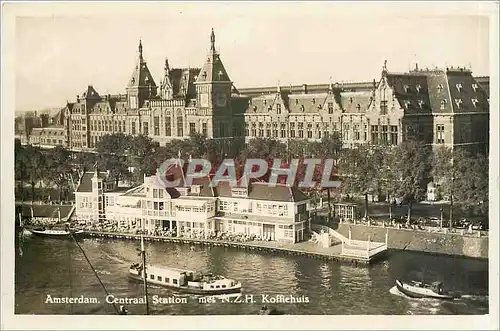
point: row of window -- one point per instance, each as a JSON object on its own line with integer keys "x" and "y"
{"x": 160, "y": 279}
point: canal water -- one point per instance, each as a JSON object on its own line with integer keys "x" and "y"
{"x": 58, "y": 268}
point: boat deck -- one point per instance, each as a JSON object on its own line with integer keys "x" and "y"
{"x": 333, "y": 253}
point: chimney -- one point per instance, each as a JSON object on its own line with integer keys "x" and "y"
{"x": 416, "y": 66}
{"x": 77, "y": 98}
{"x": 304, "y": 88}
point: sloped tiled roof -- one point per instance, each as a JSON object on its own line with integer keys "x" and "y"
{"x": 411, "y": 91}
{"x": 48, "y": 132}
{"x": 86, "y": 182}
{"x": 437, "y": 86}
{"x": 261, "y": 104}
{"x": 263, "y": 191}
{"x": 213, "y": 70}
{"x": 183, "y": 82}
{"x": 307, "y": 103}
{"x": 90, "y": 93}
{"x": 141, "y": 76}
{"x": 460, "y": 85}
{"x": 351, "y": 100}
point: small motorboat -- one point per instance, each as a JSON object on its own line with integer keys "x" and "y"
{"x": 416, "y": 289}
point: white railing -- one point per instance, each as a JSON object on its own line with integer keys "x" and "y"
{"x": 351, "y": 247}
{"x": 330, "y": 231}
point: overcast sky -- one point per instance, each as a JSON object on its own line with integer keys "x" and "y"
{"x": 260, "y": 43}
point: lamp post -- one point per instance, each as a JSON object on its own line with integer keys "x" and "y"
{"x": 441, "y": 217}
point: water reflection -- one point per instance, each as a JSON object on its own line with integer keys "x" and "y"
{"x": 51, "y": 266}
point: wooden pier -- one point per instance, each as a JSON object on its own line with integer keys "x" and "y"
{"x": 309, "y": 249}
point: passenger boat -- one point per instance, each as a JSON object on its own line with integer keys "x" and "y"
{"x": 416, "y": 289}
{"x": 54, "y": 233}
{"x": 184, "y": 280}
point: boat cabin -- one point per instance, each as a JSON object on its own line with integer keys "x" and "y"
{"x": 164, "y": 276}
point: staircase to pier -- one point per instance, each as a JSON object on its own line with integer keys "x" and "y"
{"x": 350, "y": 247}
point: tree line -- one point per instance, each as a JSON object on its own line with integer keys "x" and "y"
{"x": 401, "y": 171}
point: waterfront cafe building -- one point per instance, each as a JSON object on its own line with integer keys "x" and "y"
{"x": 279, "y": 212}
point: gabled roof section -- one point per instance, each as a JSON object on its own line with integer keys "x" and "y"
{"x": 213, "y": 70}
{"x": 277, "y": 192}
{"x": 182, "y": 80}
{"x": 411, "y": 91}
{"x": 262, "y": 104}
{"x": 465, "y": 93}
{"x": 86, "y": 181}
{"x": 356, "y": 102}
{"x": 90, "y": 93}
{"x": 306, "y": 103}
{"x": 141, "y": 76}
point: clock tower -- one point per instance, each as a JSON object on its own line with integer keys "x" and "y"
{"x": 213, "y": 94}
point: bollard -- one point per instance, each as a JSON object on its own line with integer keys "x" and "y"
{"x": 479, "y": 234}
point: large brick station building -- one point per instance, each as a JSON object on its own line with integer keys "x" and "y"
{"x": 441, "y": 107}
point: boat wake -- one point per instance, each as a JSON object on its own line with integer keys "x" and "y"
{"x": 103, "y": 272}
{"x": 419, "y": 306}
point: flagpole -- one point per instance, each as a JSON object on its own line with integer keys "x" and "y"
{"x": 143, "y": 252}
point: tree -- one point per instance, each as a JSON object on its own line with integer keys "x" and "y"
{"x": 58, "y": 161}
{"x": 362, "y": 169}
{"x": 407, "y": 171}
{"x": 20, "y": 168}
{"x": 463, "y": 178}
{"x": 116, "y": 143}
{"x": 35, "y": 167}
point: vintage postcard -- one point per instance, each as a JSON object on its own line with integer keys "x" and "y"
{"x": 332, "y": 164}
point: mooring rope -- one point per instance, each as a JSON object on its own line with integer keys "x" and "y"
{"x": 95, "y": 272}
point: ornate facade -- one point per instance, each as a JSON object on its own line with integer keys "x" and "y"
{"x": 439, "y": 107}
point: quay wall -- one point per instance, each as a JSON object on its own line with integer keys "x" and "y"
{"x": 257, "y": 246}
{"x": 437, "y": 243}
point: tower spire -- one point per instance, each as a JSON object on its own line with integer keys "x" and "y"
{"x": 384, "y": 68}
{"x": 167, "y": 67}
{"x": 140, "y": 49}
{"x": 212, "y": 40}
{"x": 330, "y": 85}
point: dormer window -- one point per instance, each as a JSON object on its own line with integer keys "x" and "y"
{"x": 278, "y": 108}
{"x": 265, "y": 102}
{"x": 296, "y": 101}
{"x": 269, "y": 108}
{"x": 313, "y": 101}
{"x": 254, "y": 108}
{"x": 475, "y": 102}
{"x": 418, "y": 88}
{"x": 458, "y": 102}
{"x": 406, "y": 87}
{"x": 320, "y": 106}
{"x": 459, "y": 87}
{"x": 440, "y": 88}
{"x": 350, "y": 99}
{"x": 421, "y": 103}
{"x": 302, "y": 107}
{"x": 443, "y": 103}
{"x": 358, "y": 106}
{"x": 407, "y": 104}
{"x": 474, "y": 87}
